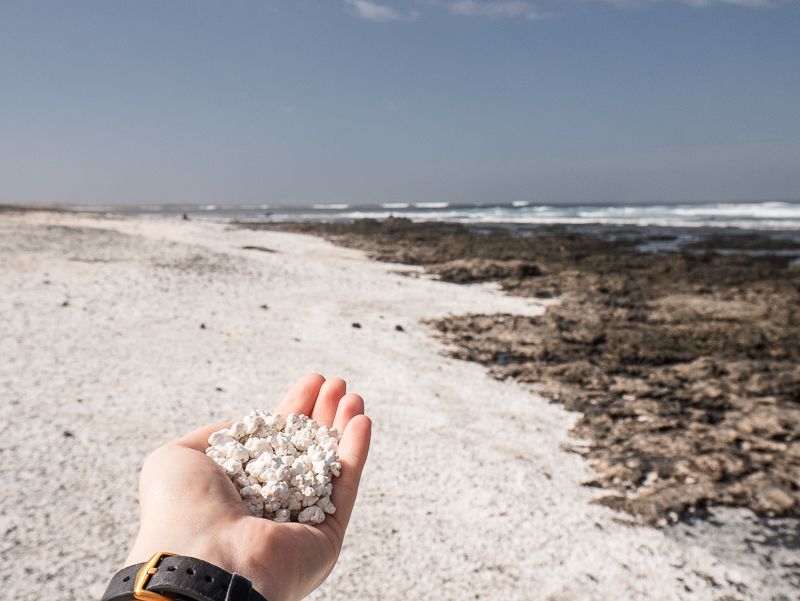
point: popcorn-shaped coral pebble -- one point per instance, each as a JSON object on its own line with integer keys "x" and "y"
{"x": 295, "y": 502}
{"x": 275, "y": 422}
{"x": 234, "y": 450}
{"x": 282, "y": 444}
{"x": 257, "y": 446}
{"x": 231, "y": 467}
{"x": 251, "y": 495}
{"x": 220, "y": 438}
{"x": 282, "y": 468}
{"x": 282, "y": 516}
{"x": 275, "y": 494}
{"x": 325, "y": 504}
{"x": 242, "y": 480}
{"x": 302, "y": 439}
{"x": 311, "y": 515}
{"x": 253, "y": 422}
{"x": 237, "y": 430}
{"x": 294, "y": 422}
{"x": 265, "y": 467}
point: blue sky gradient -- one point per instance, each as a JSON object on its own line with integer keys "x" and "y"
{"x": 328, "y": 101}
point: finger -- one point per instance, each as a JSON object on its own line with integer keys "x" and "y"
{"x": 349, "y": 406}
{"x": 328, "y": 400}
{"x": 353, "y": 450}
{"x": 198, "y": 439}
{"x": 302, "y": 396}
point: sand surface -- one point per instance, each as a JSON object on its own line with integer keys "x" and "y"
{"x": 466, "y": 494}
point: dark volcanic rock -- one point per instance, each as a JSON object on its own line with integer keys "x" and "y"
{"x": 469, "y": 271}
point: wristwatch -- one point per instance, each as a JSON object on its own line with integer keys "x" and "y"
{"x": 170, "y": 577}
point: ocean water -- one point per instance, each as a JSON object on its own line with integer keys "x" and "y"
{"x": 749, "y": 216}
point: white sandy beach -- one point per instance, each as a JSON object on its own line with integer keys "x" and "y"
{"x": 466, "y": 494}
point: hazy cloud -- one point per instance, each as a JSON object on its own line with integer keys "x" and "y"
{"x": 373, "y": 12}
{"x": 750, "y": 3}
{"x": 503, "y": 8}
{"x": 514, "y": 9}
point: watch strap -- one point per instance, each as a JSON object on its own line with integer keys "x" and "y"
{"x": 183, "y": 579}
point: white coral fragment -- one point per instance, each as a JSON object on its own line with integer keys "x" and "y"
{"x": 231, "y": 467}
{"x": 325, "y": 504}
{"x": 276, "y": 495}
{"x": 275, "y": 422}
{"x": 302, "y": 439}
{"x": 257, "y": 446}
{"x": 251, "y": 495}
{"x": 282, "y": 516}
{"x": 220, "y": 438}
{"x": 234, "y": 450}
{"x": 282, "y": 468}
{"x": 237, "y": 430}
{"x": 311, "y": 515}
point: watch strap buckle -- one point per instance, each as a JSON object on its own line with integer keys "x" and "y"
{"x": 143, "y": 576}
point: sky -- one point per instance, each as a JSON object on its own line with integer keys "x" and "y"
{"x": 288, "y": 102}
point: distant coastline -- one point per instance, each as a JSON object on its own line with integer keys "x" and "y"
{"x": 774, "y": 215}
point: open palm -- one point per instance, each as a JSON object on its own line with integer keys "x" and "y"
{"x": 190, "y": 507}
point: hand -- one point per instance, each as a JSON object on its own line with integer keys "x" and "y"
{"x": 190, "y": 507}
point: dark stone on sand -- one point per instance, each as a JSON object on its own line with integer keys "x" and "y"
{"x": 264, "y": 307}
{"x": 684, "y": 364}
{"x": 399, "y": 328}
{"x": 356, "y": 325}
{"x": 68, "y": 434}
{"x": 202, "y": 326}
{"x": 260, "y": 248}
{"x": 480, "y": 270}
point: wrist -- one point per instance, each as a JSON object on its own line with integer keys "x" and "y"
{"x": 214, "y": 548}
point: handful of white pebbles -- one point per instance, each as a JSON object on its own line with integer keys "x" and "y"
{"x": 282, "y": 468}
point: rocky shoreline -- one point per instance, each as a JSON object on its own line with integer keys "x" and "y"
{"x": 683, "y": 363}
